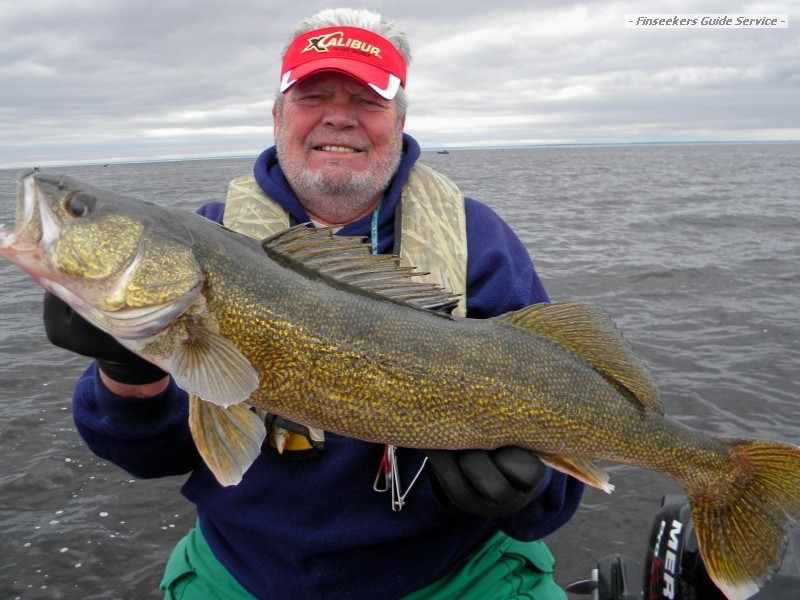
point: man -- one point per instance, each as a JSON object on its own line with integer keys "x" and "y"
{"x": 307, "y": 520}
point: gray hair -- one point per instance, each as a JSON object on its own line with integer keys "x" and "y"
{"x": 363, "y": 19}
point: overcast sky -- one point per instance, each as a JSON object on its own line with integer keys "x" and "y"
{"x": 95, "y": 81}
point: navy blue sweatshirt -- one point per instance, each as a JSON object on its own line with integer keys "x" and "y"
{"x": 314, "y": 527}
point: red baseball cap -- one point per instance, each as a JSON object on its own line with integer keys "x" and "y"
{"x": 357, "y": 52}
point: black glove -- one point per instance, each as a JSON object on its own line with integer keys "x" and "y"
{"x": 489, "y": 483}
{"x": 69, "y": 330}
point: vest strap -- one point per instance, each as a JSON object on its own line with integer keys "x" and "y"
{"x": 431, "y": 231}
{"x": 250, "y": 211}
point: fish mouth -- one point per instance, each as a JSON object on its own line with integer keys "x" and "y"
{"x": 35, "y": 228}
{"x": 26, "y": 234}
{"x": 31, "y": 244}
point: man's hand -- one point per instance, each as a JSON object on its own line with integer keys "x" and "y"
{"x": 67, "y": 329}
{"x": 489, "y": 483}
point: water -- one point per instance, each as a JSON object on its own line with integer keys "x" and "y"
{"x": 693, "y": 249}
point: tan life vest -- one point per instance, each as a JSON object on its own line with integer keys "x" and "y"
{"x": 430, "y": 226}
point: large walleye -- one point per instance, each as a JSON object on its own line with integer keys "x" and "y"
{"x": 312, "y": 327}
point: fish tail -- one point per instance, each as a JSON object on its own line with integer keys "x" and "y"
{"x": 742, "y": 524}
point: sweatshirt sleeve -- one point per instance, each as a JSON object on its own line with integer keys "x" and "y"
{"x": 500, "y": 274}
{"x": 148, "y": 437}
{"x": 501, "y": 278}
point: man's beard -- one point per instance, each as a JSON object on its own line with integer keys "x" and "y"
{"x": 339, "y": 193}
{"x": 364, "y": 184}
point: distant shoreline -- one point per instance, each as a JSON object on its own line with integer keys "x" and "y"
{"x": 425, "y": 150}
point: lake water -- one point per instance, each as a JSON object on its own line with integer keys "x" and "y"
{"x": 693, "y": 249}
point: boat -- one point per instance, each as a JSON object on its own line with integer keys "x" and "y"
{"x": 673, "y": 566}
{"x": 442, "y": 152}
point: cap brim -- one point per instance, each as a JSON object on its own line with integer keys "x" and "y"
{"x": 382, "y": 82}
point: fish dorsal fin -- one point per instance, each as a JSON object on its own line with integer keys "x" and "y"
{"x": 347, "y": 260}
{"x": 589, "y": 333}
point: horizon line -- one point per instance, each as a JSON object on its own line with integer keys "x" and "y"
{"x": 427, "y": 148}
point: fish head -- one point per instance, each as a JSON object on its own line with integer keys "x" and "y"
{"x": 126, "y": 265}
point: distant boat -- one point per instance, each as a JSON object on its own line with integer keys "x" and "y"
{"x": 442, "y": 152}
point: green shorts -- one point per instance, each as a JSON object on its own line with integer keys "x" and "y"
{"x": 503, "y": 569}
{"x": 194, "y": 573}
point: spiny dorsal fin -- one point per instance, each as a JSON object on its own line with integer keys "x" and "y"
{"x": 348, "y": 261}
{"x": 589, "y": 333}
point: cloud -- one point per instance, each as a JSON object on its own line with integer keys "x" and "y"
{"x": 87, "y": 81}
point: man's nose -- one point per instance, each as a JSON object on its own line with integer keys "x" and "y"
{"x": 340, "y": 114}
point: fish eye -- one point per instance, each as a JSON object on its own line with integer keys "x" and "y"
{"x": 79, "y": 204}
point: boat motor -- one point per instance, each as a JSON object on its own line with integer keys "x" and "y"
{"x": 674, "y": 569}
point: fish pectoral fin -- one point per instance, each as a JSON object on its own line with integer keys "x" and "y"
{"x": 590, "y": 334}
{"x": 213, "y": 368}
{"x": 581, "y": 469}
{"x": 228, "y": 439}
